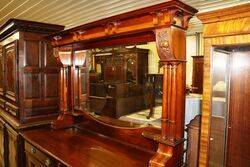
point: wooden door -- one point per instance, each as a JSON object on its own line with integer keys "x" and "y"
{"x": 12, "y": 147}
{"x": 39, "y": 88}
{"x": 1, "y": 143}
{"x": 238, "y": 145}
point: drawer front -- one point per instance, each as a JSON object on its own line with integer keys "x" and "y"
{"x": 33, "y": 154}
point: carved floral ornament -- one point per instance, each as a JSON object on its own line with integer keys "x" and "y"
{"x": 111, "y": 27}
{"x": 163, "y": 44}
{"x": 78, "y": 35}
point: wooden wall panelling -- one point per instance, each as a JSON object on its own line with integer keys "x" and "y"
{"x": 223, "y": 27}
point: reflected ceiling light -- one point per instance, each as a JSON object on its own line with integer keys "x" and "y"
{"x": 80, "y": 57}
{"x": 65, "y": 58}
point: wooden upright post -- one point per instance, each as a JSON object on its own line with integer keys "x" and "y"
{"x": 171, "y": 43}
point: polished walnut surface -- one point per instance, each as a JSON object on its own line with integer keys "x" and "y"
{"x": 77, "y": 148}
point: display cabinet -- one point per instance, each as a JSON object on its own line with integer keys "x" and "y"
{"x": 225, "y": 105}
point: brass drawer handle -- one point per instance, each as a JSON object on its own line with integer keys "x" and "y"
{"x": 33, "y": 150}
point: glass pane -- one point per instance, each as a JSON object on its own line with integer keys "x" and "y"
{"x": 220, "y": 75}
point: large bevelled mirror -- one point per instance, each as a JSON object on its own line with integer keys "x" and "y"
{"x": 125, "y": 85}
{"x": 122, "y": 85}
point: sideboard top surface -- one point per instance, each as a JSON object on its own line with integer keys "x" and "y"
{"x": 77, "y": 148}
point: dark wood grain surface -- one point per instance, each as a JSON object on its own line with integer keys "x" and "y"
{"x": 78, "y": 148}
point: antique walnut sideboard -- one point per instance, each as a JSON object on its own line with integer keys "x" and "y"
{"x": 77, "y": 138}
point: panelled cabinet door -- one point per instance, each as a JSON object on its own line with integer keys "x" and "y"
{"x": 10, "y": 57}
{"x": 12, "y": 147}
{"x": 40, "y": 80}
{"x": 1, "y": 143}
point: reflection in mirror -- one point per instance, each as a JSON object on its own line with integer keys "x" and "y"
{"x": 125, "y": 84}
{"x": 81, "y": 76}
{"x": 74, "y": 80}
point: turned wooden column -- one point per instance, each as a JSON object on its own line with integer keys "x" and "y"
{"x": 171, "y": 44}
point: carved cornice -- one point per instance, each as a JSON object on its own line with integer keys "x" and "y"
{"x": 13, "y": 25}
{"x": 170, "y": 13}
{"x": 226, "y": 22}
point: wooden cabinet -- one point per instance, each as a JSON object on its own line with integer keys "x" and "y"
{"x": 123, "y": 65}
{"x": 197, "y": 79}
{"x": 28, "y": 70}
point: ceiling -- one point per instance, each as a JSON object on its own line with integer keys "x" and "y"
{"x": 72, "y": 13}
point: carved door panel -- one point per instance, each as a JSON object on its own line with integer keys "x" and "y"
{"x": 11, "y": 71}
{"x": 12, "y": 137}
{"x": 1, "y": 143}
